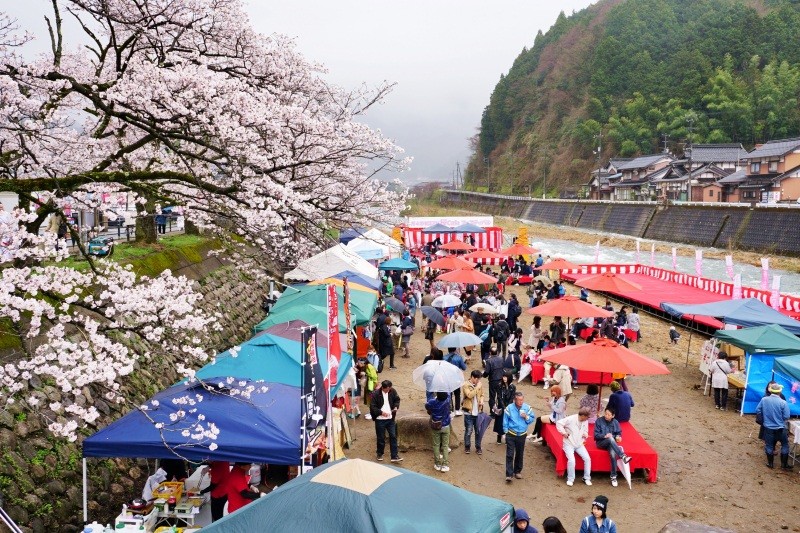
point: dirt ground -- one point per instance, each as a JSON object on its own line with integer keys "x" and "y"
{"x": 711, "y": 463}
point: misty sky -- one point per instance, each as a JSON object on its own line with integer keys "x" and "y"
{"x": 444, "y": 55}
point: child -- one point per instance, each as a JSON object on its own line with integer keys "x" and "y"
{"x": 674, "y": 336}
{"x": 598, "y": 521}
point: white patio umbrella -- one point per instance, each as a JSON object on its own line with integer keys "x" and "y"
{"x": 437, "y": 376}
{"x": 484, "y": 308}
{"x": 446, "y": 300}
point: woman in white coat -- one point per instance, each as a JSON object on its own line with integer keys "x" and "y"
{"x": 719, "y": 370}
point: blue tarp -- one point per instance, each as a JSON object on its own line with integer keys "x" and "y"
{"x": 746, "y": 313}
{"x": 263, "y": 429}
{"x": 397, "y": 264}
{"x": 759, "y": 373}
{"x": 466, "y": 227}
{"x": 355, "y": 277}
{"x": 787, "y": 372}
{"x": 438, "y": 228}
{"x": 270, "y": 358}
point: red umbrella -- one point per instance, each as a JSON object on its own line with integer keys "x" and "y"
{"x": 456, "y": 245}
{"x": 569, "y": 306}
{"x": 479, "y": 255}
{"x": 519, "y": 249}
{"x": 450, "y": 262}
{"x": 468, "y": 276}
{"x": 558, "y": 264}
{"x": 605, "y": 356}
{"x": 608, "y": 282}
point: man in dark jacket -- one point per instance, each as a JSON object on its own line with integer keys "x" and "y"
{"x": 514, "y": 311}
{"x": 501, "y": 333}
{"x": 558, "y": 329}
{"x": 607, "y": 436}
{"x": 383, "y": 406}
{"x": 494, "y": 372}
{"x": 385, "y": 341}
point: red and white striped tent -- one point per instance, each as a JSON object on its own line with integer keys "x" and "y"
{"x": 491, "y": 240}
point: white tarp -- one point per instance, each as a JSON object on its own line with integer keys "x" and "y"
{"x": 330, "y": 262}
{"x": 367, "y": 245}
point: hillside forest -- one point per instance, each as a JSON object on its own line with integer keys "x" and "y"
{"x": 629, "y": 77}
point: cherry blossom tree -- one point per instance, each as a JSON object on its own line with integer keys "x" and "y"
{"x": 174, "y": 102}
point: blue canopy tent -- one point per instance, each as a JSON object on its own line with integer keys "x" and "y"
{"x": 264, "y": 428}
{"x": 466, "y": 227}
{"x": 746, "y": 313}
{"x": 271, "y": 358}
{"x": 364, "y": 497}
{"x": 438, "y": 228}
{"x": 355, "y": 277}
{"x": 348, "y": 235}
{"x": 398, "y": 264}
{"x": 763, "y": 347}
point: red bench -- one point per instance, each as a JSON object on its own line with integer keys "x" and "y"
{"x": 643, "y": 456}
{"x": 537, "y": 375}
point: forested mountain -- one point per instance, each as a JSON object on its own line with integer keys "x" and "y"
{"x": 637, "y": 72}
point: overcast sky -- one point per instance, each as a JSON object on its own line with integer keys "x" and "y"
{"x": 444, "y": 55}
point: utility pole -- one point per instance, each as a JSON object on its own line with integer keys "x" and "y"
{"x": 666, "y": 140}
{"x": 690, "y": 121}
{"x": 599, "y": 152}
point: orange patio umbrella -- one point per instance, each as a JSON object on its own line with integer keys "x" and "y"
{"x": 450, "y": 262}
{"x": 519, "y": 249}
{"x": 608, "y": 282}
{"x": 571, "y": 307}
{"x": 478, "y": 255}
{"x": 605, "y": 356}
{"x": 468, "y": 276}
{"x": 456, "y": 245}
{"x": 558, "y": 264}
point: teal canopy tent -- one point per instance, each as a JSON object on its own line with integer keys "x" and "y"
{"x": 397, "y": 264}
{"x": 360, "y": 496}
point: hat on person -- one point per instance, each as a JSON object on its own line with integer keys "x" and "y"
{"x": 521, "y": 514}
{"x": 672, "y": 328}
{"x": 601, "y": 502}
{"x": 775, "y": 388}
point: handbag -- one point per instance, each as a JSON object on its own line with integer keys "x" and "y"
{"x": 759, "y": 419}
{"x": 435, "y": 424}
{"x": 408, "y": 330}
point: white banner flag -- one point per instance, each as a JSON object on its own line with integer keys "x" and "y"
{"x": 764, "y": 273}
{"x": 737, "y": 287}
{"x": 729, "y": 265}
{"x": 775, "y": 298}
{"x": 698, "y": 263}
{"x": 638, "y": 250}
{"x": 597, "y": 253}
{"x": 653, "y": 255}
{"x": 675, "y": 259}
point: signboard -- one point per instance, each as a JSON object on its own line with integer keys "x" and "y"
{"x": 314, "y": 405}
{"x": 424, "y": 222}
{"x": 348, "y": 317}
{"x": 708, "y": 354}
{"x": 334, "y": 346}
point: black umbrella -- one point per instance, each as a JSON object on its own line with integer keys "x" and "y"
{"x": 433, "y": 314}
{"x": 395, "y": 305}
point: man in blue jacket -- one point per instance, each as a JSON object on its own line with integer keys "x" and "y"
{"x": 607, "y": 436}
{"x": 516, "y": 419}
{"x": 775, "y": 412}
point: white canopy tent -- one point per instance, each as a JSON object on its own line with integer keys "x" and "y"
{"x": 375, "y": 244}
{"x": 330, "y": 262}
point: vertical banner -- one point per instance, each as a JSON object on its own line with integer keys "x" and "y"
{"x": 397, "y": 234}
{"x": 729, "y": 265}
{"x": 736, "y": 294}
{"x": 597, "y": 253}
{"x": 348, "y": 320}
{"x": 698, "y": 263}
{"x": 653, "y": 255}
{"x": 764, "y": 273}
{"x": 638, "y": 251}
{"x": 675, "y": 259}
{"x": 313, "y": 404}
{"x": 334, "y": 345}
{"x": 775, "y": 298}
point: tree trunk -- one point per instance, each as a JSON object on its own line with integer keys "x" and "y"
{"x": 190, "y": 229}
{"x": 146, "y": 223}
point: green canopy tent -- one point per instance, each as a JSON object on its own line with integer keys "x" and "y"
{"x": 364, "y": 497}
{"x": 786, "y": 371}
{"x": 763, "y": 346}
{"x": 309, "y": 303}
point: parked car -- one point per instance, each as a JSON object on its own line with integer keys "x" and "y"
{"x": 102, "y": 246}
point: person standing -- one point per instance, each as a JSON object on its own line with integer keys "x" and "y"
{"x": 575, "y": 429}
{"x": 370, "y": 381}
{"x": 383, "y": 406}
{"x": 472, "y": 404}
{"x": 494, "y": 373}
{"x": 516, "y": 419}
{"x": 439, "y": 410}
{"x": 607, "y": 436}
{"x": 505, "y": 397}
{"x": 536, "y": 333}
{"x": 514, "y": 311}
{"x": 406, "y": 330}
{"x": 552, "y": 524}
{"x": 635, "y": 323}
{"x": 719, "y": 370}
{"x": 620, "y": 401}
{"x": 218, "y": 473}
{"x": 239, "y": 491}
{"x": 598, "y": 521}
{"x": 161, "y": 222}
{"x": 467, "y": 326}
{"x": 775, "y": 414}
{"x": 455, "y": 359}
{"x": 385, "y": 342}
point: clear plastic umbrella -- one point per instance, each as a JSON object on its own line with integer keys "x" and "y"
{"x": 484, "y": 308}
{"x": 437, "y": 376}
{"x": 459, "y": 339}
{"x": 446, "y": 300}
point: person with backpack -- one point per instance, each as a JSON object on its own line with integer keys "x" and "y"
{"x": 455, "y": 359}
{"x": 494, "y": 373}
{"x": 501, "y": 333}
{"x": 485, "y": 333}
{"x": 514, "y": 312}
